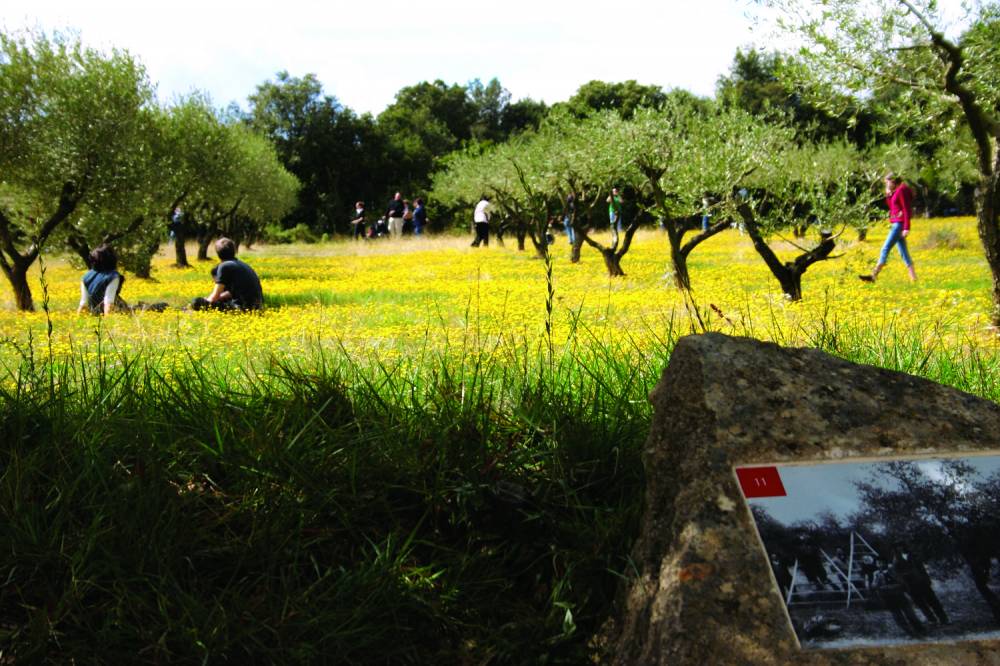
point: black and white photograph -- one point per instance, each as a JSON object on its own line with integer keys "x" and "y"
{"x": 880, "y": 553}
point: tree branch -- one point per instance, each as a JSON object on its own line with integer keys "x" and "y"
{"x": 704, "y": 236}
{"x": 68, "y": 200}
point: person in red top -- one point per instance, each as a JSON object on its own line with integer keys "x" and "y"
{"x": 899, "y": 198}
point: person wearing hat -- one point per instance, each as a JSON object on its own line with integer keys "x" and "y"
{"x": 899, "y": 199}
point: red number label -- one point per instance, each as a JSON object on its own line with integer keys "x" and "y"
{"x": 760, "y": 482}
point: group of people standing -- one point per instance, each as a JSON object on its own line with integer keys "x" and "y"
{"x": 399, "y": 213}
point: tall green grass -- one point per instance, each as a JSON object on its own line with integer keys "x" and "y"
{"x": 465, "y": 505}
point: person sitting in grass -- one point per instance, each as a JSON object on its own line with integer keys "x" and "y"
{"x": 101, "y": 285}
{"x": 237, "y": 287}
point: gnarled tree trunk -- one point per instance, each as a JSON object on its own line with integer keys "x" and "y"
{"x": 18, "y": 277}
{"x": 612, "y": 262}
{"x": 987, "y": 207}
{"x": 204, "y": 240}
{"x": 180, "y": 251}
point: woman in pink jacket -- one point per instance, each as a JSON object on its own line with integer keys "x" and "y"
{"x": 899, "y": 198}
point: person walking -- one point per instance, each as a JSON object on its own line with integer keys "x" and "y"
{"x": 481, "y": 220}
{"x": 899, "y": 199}
{"x": 395, "y": 212}
{"x": 889, "y": 590}
{"x": 569, "y": 215}
{"x": 615, "y": 210}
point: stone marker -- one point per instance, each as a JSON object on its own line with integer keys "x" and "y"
{"x": 704, "y": 593}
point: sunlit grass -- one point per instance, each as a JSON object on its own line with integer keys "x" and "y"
{"x": 356, "y": 295}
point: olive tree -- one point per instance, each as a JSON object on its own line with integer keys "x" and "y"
{"x": 867, "y": 46}
{"x": 584, "y": 164}
{"x": 249, "y": 189}
{"x": 74, "y": 128}
{"x": 819, "y": 190}
{"x": 683, "y": 156}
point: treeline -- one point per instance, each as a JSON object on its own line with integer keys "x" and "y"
{"x": 341, "y": 157}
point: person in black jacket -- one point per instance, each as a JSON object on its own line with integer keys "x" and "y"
{"x": 395, "y": 212}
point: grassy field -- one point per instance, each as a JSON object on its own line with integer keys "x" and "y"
{"x": 394, "y": 463}
{"x": 395, "y": 299}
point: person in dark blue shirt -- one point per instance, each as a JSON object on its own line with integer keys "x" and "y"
{"x": 419, "y": 217}
{"x": 237, "y": 286}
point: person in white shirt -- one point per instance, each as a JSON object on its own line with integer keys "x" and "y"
{"x": 481, "y": 219}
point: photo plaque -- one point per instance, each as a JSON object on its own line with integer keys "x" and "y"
{"x": 882, "y": 552}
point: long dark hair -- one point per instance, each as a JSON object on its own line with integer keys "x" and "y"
{"x": 103, "y": 258}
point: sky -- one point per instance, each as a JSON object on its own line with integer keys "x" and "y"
{"x": 364, "y": 51}
{"x": 813, "y": 489}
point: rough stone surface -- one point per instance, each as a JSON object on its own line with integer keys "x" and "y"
{"x": 703, "y": 592}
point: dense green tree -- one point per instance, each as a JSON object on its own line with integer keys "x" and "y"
{"x": 857, "y": 45}
{"x": 255, "y": 190}
{"x": 755, "y": 84}
{"x": 74, "y": 146}
{"x": 426, "y": 122}
{"x": 197, "y": 163}
{"x": 522, "y": 115}
{"x": 490, "y": 102}
{"x": 337, "y": 156}
{"x": 624, "y": 97}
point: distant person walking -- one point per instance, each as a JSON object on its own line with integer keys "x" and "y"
{"x": 237, "y": 287}
{"x": 899, "y": 199}
{"x": 419, "y": 216}
{"x": 615, "y": 209}
{"x": 481, "y": 220}
{"x": 358, "y": 222}
{"x": 395, "y": 212}
{"x": 568, "y": 217}
{"x": 100, "y": 286}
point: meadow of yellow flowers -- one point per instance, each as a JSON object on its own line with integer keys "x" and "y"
{"x": 397, "y": 299}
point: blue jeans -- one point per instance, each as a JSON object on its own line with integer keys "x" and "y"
{"x": 616, "y": 221}
{"x": 704, "y": 222}
{"x": 570, "y": 233}
{"x": 895, "y": 237}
